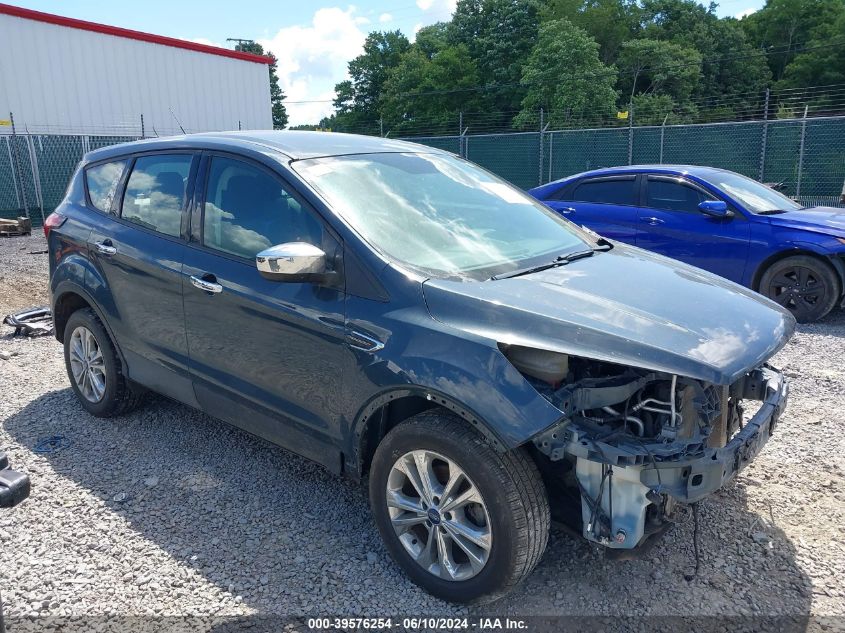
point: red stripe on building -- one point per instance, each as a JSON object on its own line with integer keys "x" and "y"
{"x": 84, "y": 25}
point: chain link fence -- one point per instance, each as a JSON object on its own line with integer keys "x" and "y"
{"x": 35, "y": 170}
{"x": 807, "y": 155}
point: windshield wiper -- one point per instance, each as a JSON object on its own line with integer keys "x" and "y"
{"x": 560, "y": 260}
{"x": 771, "y": 212}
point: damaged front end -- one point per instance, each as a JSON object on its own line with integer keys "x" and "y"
{"x": 631, "y": 442}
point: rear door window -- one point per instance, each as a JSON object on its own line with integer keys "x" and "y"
{"x": 607, "y": 191}
{"x": 102, "y": 181}
{"x": 672, "y": 195}
{"x": 155, "y": 192}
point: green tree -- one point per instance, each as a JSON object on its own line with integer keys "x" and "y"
{"x": 277, "y": 97}
{"x": 609, "y": 22}
{"x": 823, "y": 64}
{"x": 499, "y": 35}
{"x": 658, "y": 67}
{"x": 429, "y": 90}
{"x": 788, "y": 26}
{"x": 564, "y": 76}
{"x": 731, "y": 66}
{"x": 360, "y": 97}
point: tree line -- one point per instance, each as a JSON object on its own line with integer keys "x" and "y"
{"x": 585, "y": 61}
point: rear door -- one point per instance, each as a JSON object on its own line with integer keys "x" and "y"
{"x": 672, "y": 224}
{"x": 138, "y": 248}
{"x": 606, "y": 204}
{"x": 266, "y": 355}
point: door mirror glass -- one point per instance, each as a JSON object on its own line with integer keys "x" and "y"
{"x": 293, "y": 261}
{"x": 715, "y": 208}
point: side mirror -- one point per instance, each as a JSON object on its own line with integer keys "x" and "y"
{"x": 292, "y": 262}
{"x": 715, "y": 209}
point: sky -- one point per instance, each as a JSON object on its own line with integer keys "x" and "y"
{"x": 313, "y": 41}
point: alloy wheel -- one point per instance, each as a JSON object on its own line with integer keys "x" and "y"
{"x": 799, "y": 290}
{"x": 87, "y": 364}
{"x": 439, "y": 515}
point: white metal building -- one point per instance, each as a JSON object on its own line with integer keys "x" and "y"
{"x": 64, "y": 76}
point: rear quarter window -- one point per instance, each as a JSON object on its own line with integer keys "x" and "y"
{"x": 612, "y": 191}
{"x": 155, "y": 192}
{"x": 101, "y": 181}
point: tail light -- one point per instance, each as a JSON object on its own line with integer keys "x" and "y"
{"x": 53, "y": 221}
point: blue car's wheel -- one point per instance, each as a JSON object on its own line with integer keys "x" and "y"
{"x": 803, "y": 285}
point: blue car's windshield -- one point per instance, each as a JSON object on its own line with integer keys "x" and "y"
{"x": 440, "y": 214}
{"x": 755, "y": 197}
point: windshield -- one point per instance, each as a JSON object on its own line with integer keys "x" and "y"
{"x": 440, "y": 214}
{"x": 755, "y": 197}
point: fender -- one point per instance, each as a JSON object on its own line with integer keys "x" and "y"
{"x": 795, "y": 247}
{"x": 70, "y": 286}
{"x": 485, "y": 390}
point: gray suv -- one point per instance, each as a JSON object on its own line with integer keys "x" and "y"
{"x": 399, "y": 314}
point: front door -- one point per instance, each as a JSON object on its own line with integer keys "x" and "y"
{"x": 672, "y": 224}
{"x": 266, "y": 355}
{"x": 140, "y": 256}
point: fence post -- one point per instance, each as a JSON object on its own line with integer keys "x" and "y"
{"x": 461, "y": 150}
{"x": 36, "y": 174}
{"x": 143, "y": 136}
{"x": 764, "y": 136}
{"x": 551, "y": 153}
{"x": 14, "y": 172}
{"x": 631, "y": 133}
{"x": 801, "y": 153}
{"x": 662, "y": 134}
{"x": 18, "y": 165}
{"x": 381, "y": 127}
{"x": 540, "y": 136}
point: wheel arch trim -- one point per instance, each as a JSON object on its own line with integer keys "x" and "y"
{"x": 364, "y": 419}
{"x": 67, "y": 287}
{"x": 835, "y": 261}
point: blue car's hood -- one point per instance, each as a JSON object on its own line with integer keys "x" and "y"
{"x": 626, "y": 306}
{"x": 827, "y": 220}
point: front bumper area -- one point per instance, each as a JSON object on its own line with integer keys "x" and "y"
{"x": 628, "y": 484}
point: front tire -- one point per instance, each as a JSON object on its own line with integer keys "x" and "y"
{"x": 94, "y": 368}
{"x": 805, "y": 286}
{"x": 464, "y": 521}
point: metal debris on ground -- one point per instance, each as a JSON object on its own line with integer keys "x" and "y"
{"x": 52, "y": 444}
{"x": 31, "y": 322}
{"x": 20, "y": 226}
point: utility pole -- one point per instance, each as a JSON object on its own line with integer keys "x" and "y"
{"x": 240, "y": 41}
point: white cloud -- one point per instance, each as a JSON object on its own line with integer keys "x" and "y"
{"x": 313, "y": 58}
{"x": 746, "y": 13}
{"x": 437, "y": 10}
{"x": 205, "y": 41}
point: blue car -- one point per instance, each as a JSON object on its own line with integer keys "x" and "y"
{"x": 717, "y": 220}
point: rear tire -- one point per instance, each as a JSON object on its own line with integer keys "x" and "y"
{"x": 807, "y": 287}
{"x": 509, "y": 514}
{"x": 94, "y": 369}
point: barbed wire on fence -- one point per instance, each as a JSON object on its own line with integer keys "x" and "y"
{"x": 794, "y": 135}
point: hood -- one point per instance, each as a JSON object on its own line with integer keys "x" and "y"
{"x": 826, "y": 220}
{"x": 626, "y": 306}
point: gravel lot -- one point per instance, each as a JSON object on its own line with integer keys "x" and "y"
{"x": 170, "y": 512}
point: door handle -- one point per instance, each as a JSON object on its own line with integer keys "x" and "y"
{"x": 567, "y": 210}
{"x": 653, "y": 221}
{"x": 208, "y": 286}
{"x": 105, "y": 247}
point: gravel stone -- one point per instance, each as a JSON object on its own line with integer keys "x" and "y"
{"x": 230, "y": 534}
